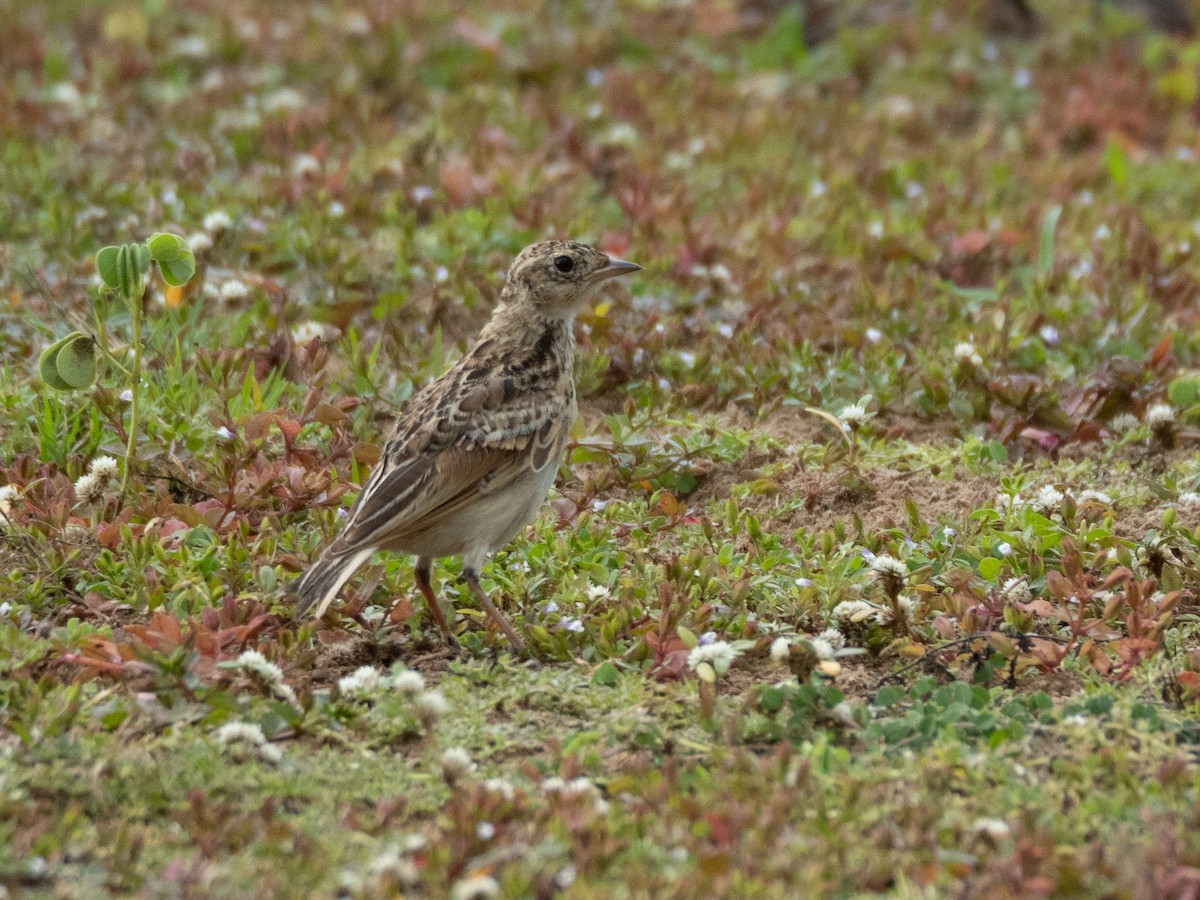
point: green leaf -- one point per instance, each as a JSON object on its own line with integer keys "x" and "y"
{"x": 165, "y": 247}
{"x": 1045, "y": 260}
{"x": 989, "y": 568}
{"x": 1117, "y": 163}
{"x": 76, "y": 362}
{"x": 47, "y": 369}
{"x": 107, "y": 265}
{"x": 605, "y": 675}
{"x": 180, "y": 271}
{"x": 689, "y": 639}
{"x": 1184, "y": 392}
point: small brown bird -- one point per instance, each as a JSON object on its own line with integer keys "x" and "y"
{"x": 473, "y": 454}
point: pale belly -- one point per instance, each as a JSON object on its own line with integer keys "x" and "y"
{"x": 487, "y": 525}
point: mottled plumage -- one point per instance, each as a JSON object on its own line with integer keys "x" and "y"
{"x": 471, "y": 458}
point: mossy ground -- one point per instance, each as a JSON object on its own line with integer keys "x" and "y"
{"x": 985, "y": 241}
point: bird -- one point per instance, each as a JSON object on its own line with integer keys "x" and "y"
{"x": 472, "y": 455}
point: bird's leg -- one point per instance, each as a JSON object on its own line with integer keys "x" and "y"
{"x": 421, "y": 574}
{"x": 472, "y": 579}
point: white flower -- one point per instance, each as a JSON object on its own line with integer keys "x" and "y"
{"x": 233, "y": 289}
{"x": 363, "y": 680}
{"x": 8, "y": 494}
{"x": 284, "y": 100}
{"x": 875, "y": 229}
{"x": 199, "y": 241}
{"x": 1123, "y": 424}
{"x": 571, "y": 624}
{"x": 1016, "y": 590}
{"x": 1093, "y": 496}
{"x": 307, "y": 332}
{"x": 1048, "y": 499}
{"x": 66, "y": 94}
{"x": 821, "y": 647}
{"x": 1009, "y": 504}
{"x": 1076, "y": 721}
{"x": 305, "y": 164}
{"x": 88, "y": 489}
{"x": 966, "y": 354}
{"x": 255, "y": 662}
{"x": 719, "y": 654}
{"x": 233, "y": 734}
{"x": 1189, "y": 500}
{"x": 476, "y": 887}
{"x": 431, "y": 706}
{"x": 996, "y": 829}
{"x": 456, "y": 763}
{"x": 103, "y": 469}
{"x": 873, "y": 335}
{"x": 598, "y": 592}
{"x": 553, "y": 785}
{"x": 833, "y": 638}
{"x": 908, "y": 606}
{"x": 217, "y": 221}
{"x": 191, "y": 46}
{"x": 1004, "y": 548}
{"x": 501, "y": 787}
{"x": 391, "y": 863}
{"x": 410, "y": 682}
{"x": 852, "y": 611}
{"x": 781, "y": 649}
{"x": 884, "y": 564}
{"x": 853, "y": 414}
{"x": 1160, "y": 414}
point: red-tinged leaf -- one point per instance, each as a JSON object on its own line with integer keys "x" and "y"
{"x": 970, "y": 243}
{"x": 255, "y": 427}
{"x": 1046, "y": 440}
{"x": 1189, "y": 681}
{"x": 1101, "y": 632}
{"x": 186, "y": 514}
{"x": 1161, "y": 353}
{"x": 1117, "y": 576}
{"x": 1058, "y": 586}
{"x": 206, "y": 643}
{"x": 290, "y": 428}
{"x": 365, "y": 454}
{"x": 401, "y": 611}
{"x": 330, "y": 416}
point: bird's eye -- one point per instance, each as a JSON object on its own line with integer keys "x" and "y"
{"x": 564, "y": 263}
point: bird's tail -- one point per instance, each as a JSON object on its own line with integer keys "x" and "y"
{"x": 318, "y": 587}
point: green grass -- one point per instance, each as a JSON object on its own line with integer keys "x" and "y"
{"x": 986, "y": 243}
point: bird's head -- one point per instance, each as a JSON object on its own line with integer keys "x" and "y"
{"x": 558, "y": 277}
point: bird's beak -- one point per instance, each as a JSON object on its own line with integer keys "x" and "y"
{"x": 616, "y": 267}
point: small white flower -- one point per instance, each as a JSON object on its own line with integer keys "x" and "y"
{"x": 456, "y": 763}
{"x": 1049, "y": 335}
{"x": 908, "y": 606}
{"x": 873, "y": 335}
{"x": 410, "y": 682}
{"x": 501, "y": 787}
{"x": 363, "y": 680}
{"x": 8, "y": 495}
{"x": 485, "y": 831}
{"x": 307, "y": 332}
{"x": 598, "y": 592}
{"x": 996, "y": 829}
{"x": 1009, "y": 503}
{"x": 191, "y": 46}
{"x": 391, "y": 864}
{"x": 217, "y": 221}
{"x": 875, "y": 229}
{"x": 255, "y": 662}
{"x": 833, "y": 638}
{"x": 88, "y": 489}
{"x": 821, "y": 647}
{"x": 1094, "y": 496}
{"x": 1102, "y": 233}
{"x": 103, "y": 468}
{"x": 66, "y": 94}
{"x": 1189, "y": 500}
{"x": 421, "y": 194}
{"x": 1076, "y": 721}
{"x": 1123, "y": 424}
{"x": 432, "y": 706}
{"x": 305, "y": 164}
{"x": 1004, "y": 548}
{"x": 781, "y": 649}
{"x": 966, "y": 354}
{"x": 199, "y": 241}
{"x": 571, "y": 624}
{"x": 337, "y": 209}
{"x": 553, "y": 785}
{"x": 233, "y": 734}
{"x": 1022, "y": 79}
{"x": 476, "y": 887}
{"x": 1016, "y": 590}
{"x": 853, "y": 611}
{"x": 234, "y": 289}
{"x": 883, "y": 564}
{"x": 1160, "y": 414}
{"x": 818, "y": 189}
{"x": 1048, "y": 499}
{"x": 719, "y": 654}
{"x": 284, "y": 100}
{"x": 224, "y": 433}
{"x": 853, "y": 414}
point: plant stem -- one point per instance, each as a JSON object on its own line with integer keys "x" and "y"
{"x": 135, "y": 379}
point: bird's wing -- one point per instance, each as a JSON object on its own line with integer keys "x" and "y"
{"x": 452, "y": 446}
